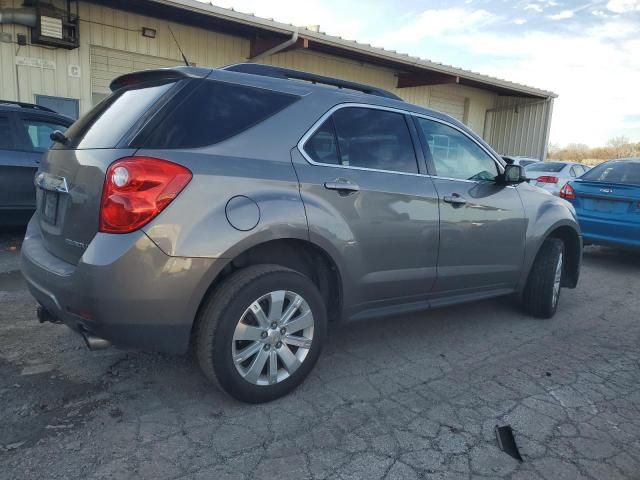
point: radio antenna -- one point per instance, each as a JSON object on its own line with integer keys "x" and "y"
{"x": 186, "y": 62}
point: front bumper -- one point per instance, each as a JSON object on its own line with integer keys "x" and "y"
{"x": 124, "y": 289}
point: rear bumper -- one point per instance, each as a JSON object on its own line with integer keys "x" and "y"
{"x": 124, "y": 289}
{"x": 609, "y": 232}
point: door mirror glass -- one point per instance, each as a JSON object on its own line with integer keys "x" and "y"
{"x": 514, "y": 174}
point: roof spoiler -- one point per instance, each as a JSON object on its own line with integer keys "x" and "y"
{"x": 285, "y": 73}
{"x": 174, "y": 73}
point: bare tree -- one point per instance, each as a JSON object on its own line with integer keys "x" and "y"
{"x": 620, "y": 146}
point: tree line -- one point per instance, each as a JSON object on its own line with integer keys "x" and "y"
{"x": 617, "y": 147}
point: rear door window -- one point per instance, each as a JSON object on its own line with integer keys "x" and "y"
{"x": 364, "y": 138}
{"x": 213, "y": 112}
{"x": 38, "y": 132}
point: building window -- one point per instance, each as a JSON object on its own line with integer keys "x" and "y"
{"x": 64, "y": 106}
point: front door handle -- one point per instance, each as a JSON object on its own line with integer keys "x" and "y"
{"x": 455, "y": 199}
{"x": 342, "y": 186}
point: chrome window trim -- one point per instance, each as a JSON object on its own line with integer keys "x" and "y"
{"x": 335, "y": 108}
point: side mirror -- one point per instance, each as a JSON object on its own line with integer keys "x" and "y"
{"x": 513, "y": 174}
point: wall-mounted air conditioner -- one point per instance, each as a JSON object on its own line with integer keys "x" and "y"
{"x": 56, "y": 27}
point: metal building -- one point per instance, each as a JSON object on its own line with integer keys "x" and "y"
{"x": 64, "y": 53}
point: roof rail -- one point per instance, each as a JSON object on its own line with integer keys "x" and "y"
{"x": 285, "y": 73}
{"x": 27, "y": 105}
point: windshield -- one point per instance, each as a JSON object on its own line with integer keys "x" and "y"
{"x": 545, "y": 167}
{"x": 624, "y": 172}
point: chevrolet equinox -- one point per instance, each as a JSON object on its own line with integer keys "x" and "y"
{"x": 236, "y": 211}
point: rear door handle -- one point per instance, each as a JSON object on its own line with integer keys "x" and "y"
{"x": 342, "y": 186}
{"x": 455, "y": 200}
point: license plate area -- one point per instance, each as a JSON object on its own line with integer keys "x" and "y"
{"x": 605, "y": 206}
{"x": 50, "y": 202}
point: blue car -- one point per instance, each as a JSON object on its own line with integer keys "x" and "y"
{"x": 607, "y": 201}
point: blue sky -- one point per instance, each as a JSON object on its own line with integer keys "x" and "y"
{"x": 586, "y": 52}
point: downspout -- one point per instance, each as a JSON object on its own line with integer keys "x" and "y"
{"x": 278, "y": 48}
{"x": 18, "y": 16}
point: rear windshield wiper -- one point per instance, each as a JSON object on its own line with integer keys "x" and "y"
{"x": 59, "y": 137}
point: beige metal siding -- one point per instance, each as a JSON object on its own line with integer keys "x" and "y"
{"x": 450, "y": 104}
{"x": 107, "y": 64}
{"x": 520, "y": 126}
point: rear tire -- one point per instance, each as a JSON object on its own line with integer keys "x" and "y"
{"x": 246, "y": 316}
{"x": 542, "y": 292}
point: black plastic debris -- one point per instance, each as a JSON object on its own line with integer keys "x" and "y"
{"x": 507, "y": 442}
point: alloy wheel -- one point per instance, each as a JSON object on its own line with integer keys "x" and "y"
{"x": 272, "y": 337}
{"x": 557, "y": 281}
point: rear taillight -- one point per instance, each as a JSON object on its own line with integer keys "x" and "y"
{"x": 136, "y": 190}
{"x": 567, "y": 192}
{"x": 547, "y": 179}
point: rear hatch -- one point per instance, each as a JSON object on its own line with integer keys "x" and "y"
{"x": 71, "y": 176}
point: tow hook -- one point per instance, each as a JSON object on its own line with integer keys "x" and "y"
{"x": 45, "y": 316}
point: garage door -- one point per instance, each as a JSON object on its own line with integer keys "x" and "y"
{"x": 107, "y": 64}
{"x": 450, "y": 104}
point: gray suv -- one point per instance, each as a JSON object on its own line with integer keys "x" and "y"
{"x": 237, "y": 211}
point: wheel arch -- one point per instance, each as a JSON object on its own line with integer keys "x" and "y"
{"x": 297, "y": 254}
{"x": 572, "y": 241}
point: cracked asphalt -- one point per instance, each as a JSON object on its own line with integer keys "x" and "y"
{"x": 399, "y": 398}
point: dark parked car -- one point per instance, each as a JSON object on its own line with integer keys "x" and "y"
{"x": 239, "y": 210}
{"x": 607, "y": 201}
{"x": 24, "y": 136}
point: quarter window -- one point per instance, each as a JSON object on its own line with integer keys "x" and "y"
{"x": 214, "y": 112}
{"x": 366, "y": 138}
{"x": 455, "y": 155}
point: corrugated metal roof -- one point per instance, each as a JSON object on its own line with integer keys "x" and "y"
{"x": 382, "y": 54}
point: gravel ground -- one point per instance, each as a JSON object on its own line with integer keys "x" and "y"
{"x": 401, "y": 398}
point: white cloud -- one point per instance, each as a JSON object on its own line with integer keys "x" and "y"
{"x": 564, "y": 14}
{"x": 520, "y": 21}
{"x": 435, "y": 23}
{"x": 535, "y": 7}
{"x": 624, "y": 6}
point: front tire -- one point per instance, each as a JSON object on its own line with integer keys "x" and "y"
{"x": 261, "y": 332}
{"x": 542, "y": 292}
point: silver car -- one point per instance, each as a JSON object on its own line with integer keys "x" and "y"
{"x": 552, "y": 176}
{"x": 237, "y": 211}
{"x": 517, "y": 160}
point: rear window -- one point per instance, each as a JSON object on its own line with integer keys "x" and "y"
{"x": 546, "y": 167}
{"x": 615, "y": 172}
{"x": 213, "y": 112}
{"x": 109, "y": 121}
